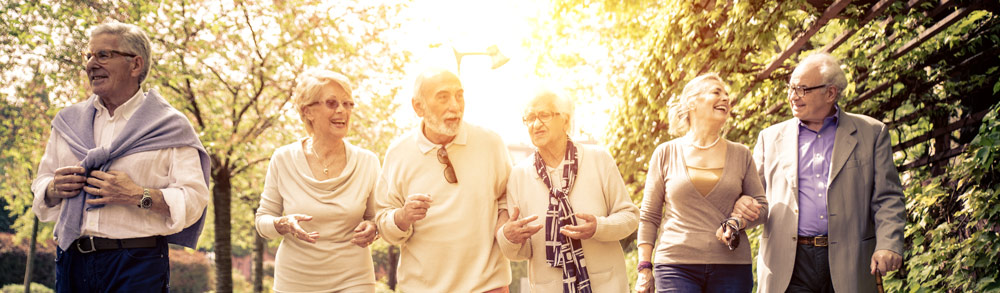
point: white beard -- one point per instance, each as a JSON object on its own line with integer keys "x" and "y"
{"x": 438, "y": 125}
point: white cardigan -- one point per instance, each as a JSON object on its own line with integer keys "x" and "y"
{"x": 599, "y": 191}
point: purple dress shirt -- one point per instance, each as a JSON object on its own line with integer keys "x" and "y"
{"x": 815, "y": 153}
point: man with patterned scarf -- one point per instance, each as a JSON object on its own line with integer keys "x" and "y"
{"x": 123, "y": 174}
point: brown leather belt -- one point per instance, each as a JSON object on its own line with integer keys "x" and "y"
{"x": 88, "y": 244}
{"x": 818, "y": 241}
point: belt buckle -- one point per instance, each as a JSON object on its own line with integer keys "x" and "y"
{"x": 92, "y": 246}
{"x": 821, "y": 241}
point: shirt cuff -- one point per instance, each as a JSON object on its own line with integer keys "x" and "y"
{"x": 510, "y": 249}
{"x": 42, "y": 210}
{"x": 391, "y": 231}
{"x": 174, "y": 199}
{"x": 601, "y": 222}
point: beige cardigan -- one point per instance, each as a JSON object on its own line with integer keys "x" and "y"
{"x": 687, "y": 221}
{"x": 599, "y": 191}
{"x": 337, "y": 206}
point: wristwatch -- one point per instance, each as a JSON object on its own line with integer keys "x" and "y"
{"x": 147, "y": 201}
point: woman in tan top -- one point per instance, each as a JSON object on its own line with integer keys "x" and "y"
{"x": 577, "y": 195}
{"x": 318, "y": 194}
{"x": 693, "y": 184}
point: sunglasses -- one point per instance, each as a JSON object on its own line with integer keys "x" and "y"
{"x": 333, "y": 104}
{"x": 103, "y": 56}
{"x": 449, "y": 170}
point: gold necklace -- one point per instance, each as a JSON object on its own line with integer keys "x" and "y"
{"x": 326, "y": 167}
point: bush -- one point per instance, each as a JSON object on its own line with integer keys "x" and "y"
{"x": 190, "y": 271}
{"x": 19, "y": 288}
{"x": 13, "y": 258}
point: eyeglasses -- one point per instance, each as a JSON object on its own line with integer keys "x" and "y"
{"x": 800, "y": 91}
{"x": 449, "y": 170}
{"x": 544, "y": 116}
{"x": 333, "y": 104}
{"x": 104, "y": 55}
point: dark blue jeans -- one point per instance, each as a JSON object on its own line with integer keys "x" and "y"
{"x": 703, "y": 278}
{"x": 121, "y": 270}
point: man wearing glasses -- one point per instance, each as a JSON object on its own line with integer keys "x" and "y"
{"x": 834, "y": 193}
{"x": 123, "y": 174}
{"x": 441, "y": 193}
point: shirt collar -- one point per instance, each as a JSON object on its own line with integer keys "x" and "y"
{"x": 125, "y": 110}
{"x": 833, "y": 120}
{"x": 425, "y": 145}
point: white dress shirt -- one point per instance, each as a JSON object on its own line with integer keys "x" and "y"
{"x": 176, "y": 172}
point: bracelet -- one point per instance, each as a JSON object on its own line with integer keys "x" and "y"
{"x": 644, "y": 265}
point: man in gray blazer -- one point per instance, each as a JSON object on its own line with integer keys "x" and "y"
{"x": 836, "y": 210}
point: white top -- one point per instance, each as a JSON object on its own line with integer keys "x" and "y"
{"x": 337, "y": 206}
{"x": 176, "y": 172}
{"x": 599, "y": 191}
{"x": 453, "y": 249}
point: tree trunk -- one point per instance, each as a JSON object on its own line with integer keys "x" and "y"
{"x": 221, "y": 198}
{"x": 258, "y": 263}
{"x": 393, "y": 263}
{"x": 29, "y": 266}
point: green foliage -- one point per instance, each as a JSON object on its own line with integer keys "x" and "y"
{"x": 953, "y": 232}
{"x": 19, "y": 288}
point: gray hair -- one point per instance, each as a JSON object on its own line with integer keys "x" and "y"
{"x": 131, "y": 39}
{"x": 308, "y": 89}
{"x": 678, "y": 111}
{"x": 829, "y": 69}
{"x": 562, "y": 104}
{"x": 418, "y": 84}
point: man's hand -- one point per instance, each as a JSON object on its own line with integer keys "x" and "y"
{"x": 290, "y": 224}
{"x": 518, "y": 231}
{"x": 585, "y": 228}
{"x": 66, "y": 183}
{"x": 364, "y": 234}
{"x": 414, "y": 209}
{"x": 885, "y": 261}
{"x": 748, "y": 208}
{"x": 114, "y": 187}
{"x": 644, "y": 281}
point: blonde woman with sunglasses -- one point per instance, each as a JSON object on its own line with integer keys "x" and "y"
{"x": 318, "y": 195}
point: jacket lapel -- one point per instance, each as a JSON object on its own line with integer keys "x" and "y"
{"x": 843, "y": 145}
{"x": 788, "y": 148}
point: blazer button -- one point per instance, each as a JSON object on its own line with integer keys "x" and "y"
{"x": 795, "y": 211}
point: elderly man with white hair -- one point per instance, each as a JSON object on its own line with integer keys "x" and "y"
{"x": 440, "y": 195}
{"x": 123, "y": 174}
{"x": 581, "y": 198}
{"x": 835, "y": 195}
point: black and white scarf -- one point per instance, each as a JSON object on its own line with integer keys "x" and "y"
{"x": 561, "y": 251}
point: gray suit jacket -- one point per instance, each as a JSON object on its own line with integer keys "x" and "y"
{"x": 864, "y": 203}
